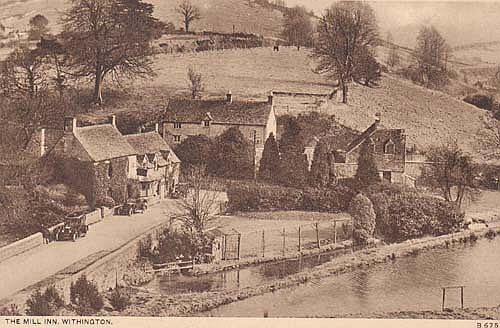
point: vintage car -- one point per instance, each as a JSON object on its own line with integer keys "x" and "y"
{"x": 133, "y": 206}
{"x": 75, "y": 226}
{"x": 180, "y": 191}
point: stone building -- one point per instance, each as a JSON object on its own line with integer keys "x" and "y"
{"x": 157, "y": 165}
{"x": 186, "y": 117}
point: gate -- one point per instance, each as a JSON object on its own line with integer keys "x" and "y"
{"x": 232, "y": 246}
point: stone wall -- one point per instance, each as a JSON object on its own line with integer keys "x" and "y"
{"x": 21, "y": 246}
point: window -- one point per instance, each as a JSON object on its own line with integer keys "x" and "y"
{"x": 206, "y": 123}
{"x": 389, "y": 147}
{"x": 177, "y": 138}
{"x": 177, "y": 125}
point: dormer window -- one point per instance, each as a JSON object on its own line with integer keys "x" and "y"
{"x": 389, "y": 147}
{"x": 206, "y": 123}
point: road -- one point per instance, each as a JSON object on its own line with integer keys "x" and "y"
{"x": 42, "y": 262}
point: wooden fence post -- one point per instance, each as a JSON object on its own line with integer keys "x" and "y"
{"x": 239, "y": 245}
{"x": 317, "y": 235}
{"x": 334, "y": 231}
{"x": 284, "y": 242}
{"x": 444, "y": 296}
{"x": 300, "y": 246}
{"x": 263, "y": 243}
{"x": 462, "y": 296}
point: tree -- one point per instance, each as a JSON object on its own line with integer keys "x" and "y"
{"x": 269, "y": 168}
{"x": 105, "y": 37}
{"x": 451, "y": 172}
{"x": 189, "y": 13}
{"x": 393, "y": 58}
{"x": 38, "y": 27}
{"x": 200, "y": 206}
{"x": 23, "y": 74}
{"x": 232, "y": 155}
{"x": 367, "y": 172}
{"x": 194, "y": 151}
{"x": 363, "y": 216}
{"x": 196, "y": 83}
{"x": 432, "y": 53}
{"x": 343, "y": 30}
{"x": 294, "y": 165}
{"x": 367, "y": 68}
{"x": 297, "y": 27}
{"x": 321, "y": 174}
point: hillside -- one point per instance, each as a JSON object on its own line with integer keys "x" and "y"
{"x": 429, "y": 117}
{"x": 246, "y": 16}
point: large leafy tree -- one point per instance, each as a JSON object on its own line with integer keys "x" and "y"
{"x": 452, "y": 173}
{"x": 194, "y": 151}
{"x": 345, "y": 29}
{"x": 38, "y": 27}
{"x": 367, "y": 70}
{"x": 106, "y": 37}
{"x": 297, "y": 27}
{"x": 367, "y": 172}
{"x": 270, "y": 161}
{"x": 232, "y": 155}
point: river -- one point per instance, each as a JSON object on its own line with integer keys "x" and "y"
{"x": 410, "y": 283}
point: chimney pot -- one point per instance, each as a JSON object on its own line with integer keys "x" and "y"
{"x": 69, "y": 124}
{"x": 229, "y": 97}
{"x": 157, "y": 127}
{"x": 270, "y": 98}
{"x": 112, "y": 120}
{"x": 378, "y": 117}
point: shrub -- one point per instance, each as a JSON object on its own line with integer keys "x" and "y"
{"x": 11, "y": 310}
{"x": 480, "y": 101}
{"x": 45, "y": 304}
{"x": 490, "y": 234}
{"x": 119, "y": 300}
{"x": 85, "y": 295}
{"x": 361, "y": 210}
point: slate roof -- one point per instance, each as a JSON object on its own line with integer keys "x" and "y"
{"x": 103, "y": 142}
{"x": 367, "y": 133}
{"x": 220, "y": 111}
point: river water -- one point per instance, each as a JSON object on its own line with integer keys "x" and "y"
{"x": 410, "y": 283}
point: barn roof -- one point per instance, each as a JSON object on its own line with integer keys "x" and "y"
{"x": 103, "y": 142}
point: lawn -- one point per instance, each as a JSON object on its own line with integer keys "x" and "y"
{"x": 487, "y": 207}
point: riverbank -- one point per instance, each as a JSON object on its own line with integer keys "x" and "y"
{"x": 146, "y": 303}
{"x": 484, "y": 313}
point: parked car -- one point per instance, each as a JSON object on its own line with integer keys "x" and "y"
{"x": 75, "y": 226}
{"x": 180, "y": 191}
{"x": 133, "y": 206}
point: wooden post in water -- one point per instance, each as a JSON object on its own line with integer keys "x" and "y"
{"x": 444, "y": 296}
{"x": 239, "y": 245}
{"x": 462, "y": 296}
{"x": 300, "y": 246}
{"x": 263, "y": 243}
{"x": 317, "y": 235}
{"x": 284, "y": 242}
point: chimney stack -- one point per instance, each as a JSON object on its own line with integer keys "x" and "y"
{"x": 157, "y": 127}
{"x": 378, "y": 117}
{"x": 69, "y": 124}
{"x": 229, "y": 97}
{"x": 270, "y": 98}
{"x": 112, "y": 120}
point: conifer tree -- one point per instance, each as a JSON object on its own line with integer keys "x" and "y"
{"x": 367, "y": 172}
{"x": 270, "y": 161}
{"x": 320, "y": 166}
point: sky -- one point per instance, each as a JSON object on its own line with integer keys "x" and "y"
{"x": 460, "y": 22}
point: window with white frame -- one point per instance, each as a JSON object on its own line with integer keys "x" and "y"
{"x": 177, "y": 125}
{"x": 177, "y": 138}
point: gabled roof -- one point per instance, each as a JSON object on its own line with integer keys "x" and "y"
{"x": 362, "y": 137}
{"x": 150, "y": 143}
{"x": 103, "y": 142}
{"x": 147, "y": 143}
{"x": 236, "y": 112}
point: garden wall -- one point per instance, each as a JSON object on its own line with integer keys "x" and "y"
{"x": 21, "y": 246}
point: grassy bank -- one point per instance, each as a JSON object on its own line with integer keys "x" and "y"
{"x": 147, "y": 304}
{"x": 483, "y": 313}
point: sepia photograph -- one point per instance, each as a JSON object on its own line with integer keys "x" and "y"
{"x": 205, "y": 160}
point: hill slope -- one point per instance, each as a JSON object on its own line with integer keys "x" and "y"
{"x": 246, "y": 16}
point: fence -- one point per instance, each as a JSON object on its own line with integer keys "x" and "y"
{"x": 288, "y": 240}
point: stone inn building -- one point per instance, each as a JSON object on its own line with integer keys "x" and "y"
{"x": 101, "y": 163}
{"x": 187, "y": 117}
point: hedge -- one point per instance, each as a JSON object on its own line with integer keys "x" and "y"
{"x": 249, "y": 196}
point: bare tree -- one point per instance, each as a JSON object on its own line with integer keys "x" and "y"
{"x": 297, "y": 27}
{"x": 196, "y": 83}
{"x": 452, "y": 173}
{"x": 343, "y": 30}
{"x": 189, "y": 13}
{"x": 201, "y": 203}
{"x": 393, "y": 58}
{"x": 110, "y": 37}
{"x": 432, "y": 53}
{"x": 490, "y": 137}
